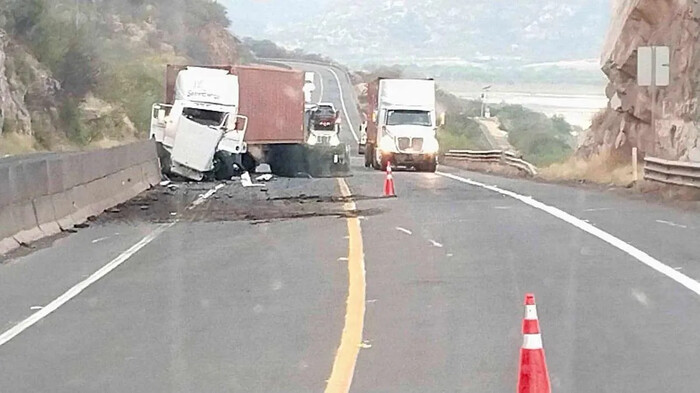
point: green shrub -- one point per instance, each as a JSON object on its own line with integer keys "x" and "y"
{"x": 541, "y": 140}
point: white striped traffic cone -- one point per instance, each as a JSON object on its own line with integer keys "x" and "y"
{"x": 389, "y": 190}
{"x": 533, "y": 376}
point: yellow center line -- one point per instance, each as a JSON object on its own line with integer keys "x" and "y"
{"x": 351, "y": 339}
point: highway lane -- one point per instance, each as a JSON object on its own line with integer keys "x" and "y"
{"x": 218, "y": 305}
{"x": 448, "y": 264}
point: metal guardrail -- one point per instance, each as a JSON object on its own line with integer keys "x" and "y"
{"x": 493, "y": 156}
{"x": 679, "y": 173}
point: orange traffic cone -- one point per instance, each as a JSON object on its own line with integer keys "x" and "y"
{"x": 389, "y": 190}
{"x": 533, "y": 376}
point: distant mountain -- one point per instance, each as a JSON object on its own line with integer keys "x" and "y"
{"x": 430, "y": 32}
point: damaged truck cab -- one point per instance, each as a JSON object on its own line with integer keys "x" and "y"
{"x": 201, "y": 133}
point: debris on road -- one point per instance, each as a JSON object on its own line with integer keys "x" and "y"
{"x": 266, "y": 177}
{"x": 113, "y": 210}
{"x": 263, "y": 168}
{"x": 165, "y": 183}
{"x": 247, "y": 181}
{"x": 82, "y": 225}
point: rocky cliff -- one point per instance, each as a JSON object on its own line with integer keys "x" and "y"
{"x": 627, "y": 122}
{"x": 86, "y": 73}
{"x": 27, "y": 91}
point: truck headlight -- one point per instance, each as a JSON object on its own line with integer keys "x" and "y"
{"x": 431, "y": 146}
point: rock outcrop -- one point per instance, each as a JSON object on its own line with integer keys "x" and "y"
{"x": 627, "y": 122}
{"x": 27, "y": 91}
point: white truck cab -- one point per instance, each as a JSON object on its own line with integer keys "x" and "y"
{"x": 202, "y": 130}
{"x": 405, "y": 121}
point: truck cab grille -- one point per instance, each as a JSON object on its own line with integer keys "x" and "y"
{"x": 415, "y": 144}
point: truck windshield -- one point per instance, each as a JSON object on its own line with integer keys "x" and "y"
{"x": 406, "y": 118}
{"x": 204, "y": 117}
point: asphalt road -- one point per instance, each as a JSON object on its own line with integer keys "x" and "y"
{"x": 224, "y": 301}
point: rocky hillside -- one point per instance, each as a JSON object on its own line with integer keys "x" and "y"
{"x": 397, "y": 31}
{"x": 86, "y": 72}
{"x": 627, "y": 121}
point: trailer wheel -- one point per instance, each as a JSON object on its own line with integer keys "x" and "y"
{"x": 223, "y": 166}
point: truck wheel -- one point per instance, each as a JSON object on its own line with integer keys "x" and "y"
{"x": 248, "y": 162}
{"x": 223, "y": 166}
{"x": 377, "y": 160}
{"x": 164, "y": 158}
{"x": 431, "y": 167}
{"x": 368, "y": 156}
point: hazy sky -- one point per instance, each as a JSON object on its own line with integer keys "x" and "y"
{"x": 251, "y": 17}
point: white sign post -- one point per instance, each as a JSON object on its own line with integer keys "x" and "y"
{"x": 653, "y": 70}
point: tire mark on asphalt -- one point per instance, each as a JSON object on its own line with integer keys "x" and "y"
{"x": 351, "y": 339}
{"x": 621, "y": 245}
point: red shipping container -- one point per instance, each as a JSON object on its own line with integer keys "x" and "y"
{"x": 272, "y": 98}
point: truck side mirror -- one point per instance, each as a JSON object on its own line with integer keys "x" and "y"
{"x": 443, "y": 120}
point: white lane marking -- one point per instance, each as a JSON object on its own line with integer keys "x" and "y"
{"x": 435, "y": 244}
{"x": 206, "y": 196}
{"x": 636, "y": 253}
{"x": 81, "y": 286}
{"x": 404, "y": 230}
{"x": 345, "y": 108}
{"x": 320, "y": 82}
{"x": 600, "y": 209}
{"x": 671, "y": 224}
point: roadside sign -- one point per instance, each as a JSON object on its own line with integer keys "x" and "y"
{"x": 653, "y": 66}
{"x": 644, "y": 66}
{"x": 663, "y": 65}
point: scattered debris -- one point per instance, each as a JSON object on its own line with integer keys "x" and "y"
{"x": 165, "y": 183}
{"x": 82, "y": 225}
{"x": 365, "y": 344}
{"x": 266, "y": 177}
{"x": 247, "y": 181}
{"x": 114, "y": 210}
{"x": 144, "y": 207}
{"x": 263, "y": 168}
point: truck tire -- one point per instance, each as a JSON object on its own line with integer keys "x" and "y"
{"x": 164, "y": 158}
{"x": 368, "y": 155}
{"x": 377, "y": 163}
{"x": 248, "y": 162}
{"x": 430, "y": 167}
{"x": 223, "y": 166}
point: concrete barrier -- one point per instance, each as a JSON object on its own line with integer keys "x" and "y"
{"x": 42, "y": 194}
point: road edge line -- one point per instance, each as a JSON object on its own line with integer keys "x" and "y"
{"x": 620, "y": 244}
{"x": 346, "y": 357}
{"x": 81, "y": 286}
{"x": 342, "y": 102}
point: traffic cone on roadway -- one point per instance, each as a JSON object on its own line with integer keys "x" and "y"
{"x": 532, "y": 376}
{"x": 389, "y": 190}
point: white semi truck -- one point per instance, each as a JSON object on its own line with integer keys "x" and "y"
{"x": 201, "y": 133}
{"x": 402, "y": 124}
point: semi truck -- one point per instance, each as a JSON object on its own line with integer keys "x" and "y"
{"x": 270, "y": 126}
{"x": 402, "y": 124}
{"x": 199, "y": 130}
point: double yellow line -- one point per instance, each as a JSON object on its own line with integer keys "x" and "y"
{"x": 351, "y": 339}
